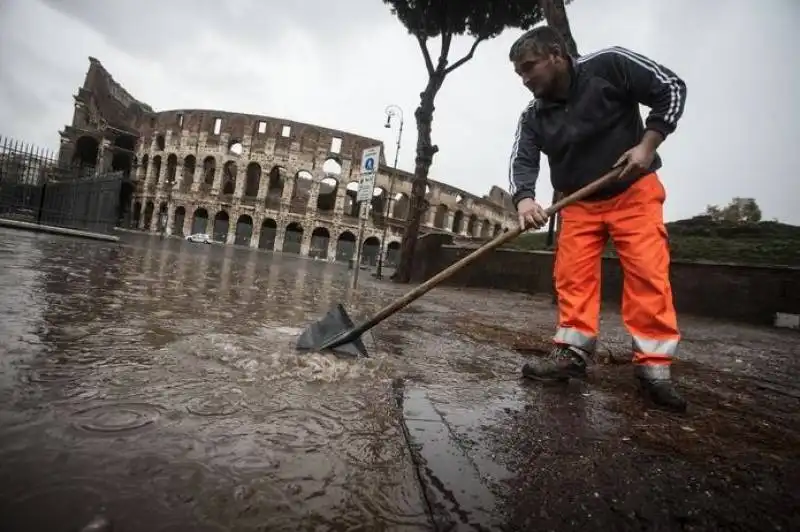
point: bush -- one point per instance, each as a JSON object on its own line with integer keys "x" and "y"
{"x": 701, "y": 239}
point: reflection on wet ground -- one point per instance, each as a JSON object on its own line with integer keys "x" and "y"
{"x": 155, "y": 382}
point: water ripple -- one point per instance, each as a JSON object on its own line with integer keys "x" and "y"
{"x": 116, "y": 418}
{"x": 301, "y": 430}
{"x": 221, "y": 403}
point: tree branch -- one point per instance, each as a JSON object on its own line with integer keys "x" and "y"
{"x": 425, "y": 53}
{"x": 447, "y": 39}
{"x": 466, "y": 57}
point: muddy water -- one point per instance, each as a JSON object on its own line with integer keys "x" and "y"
{"x": 156, "y": 381}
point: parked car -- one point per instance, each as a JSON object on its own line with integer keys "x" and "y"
{"x": 201, "y": 238}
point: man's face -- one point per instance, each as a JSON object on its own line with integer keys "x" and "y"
{"x": 539, "y": 72}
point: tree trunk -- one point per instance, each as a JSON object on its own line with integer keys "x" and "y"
{"x": 556, "y": 16}
{"x": 555, "y": 13}
{"x": 418, "y": 206}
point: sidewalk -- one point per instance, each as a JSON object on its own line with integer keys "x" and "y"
{"x": 498, "y": 453}
{"x": 54, "y": 230}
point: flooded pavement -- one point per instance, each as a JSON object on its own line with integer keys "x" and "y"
{"x": 155, "y": 382}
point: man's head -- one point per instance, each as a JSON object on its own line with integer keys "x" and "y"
{"x": 540, "y": 58}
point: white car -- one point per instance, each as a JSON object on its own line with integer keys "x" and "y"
{"x": 202, "y": 238}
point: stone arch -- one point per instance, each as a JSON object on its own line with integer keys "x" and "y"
{"x": 332, "y": 167}
{"x": 229, "y": 171}
{"x": 498, "y": 227}
{"x": 326, "y": 200}
{"x": 486, "y": 228}
{"x": 269, "y": 231}
{"x": 172, "y": 168}
{"x": 149, "y": 208}
{"x": 144, "y": 164}
{"x": 350, "y": 203}
{"x": 303, "y": 180}
{"x": 378, "y": 203}
{"x": 86, "y": 150}
{"x": 293, "y": 238}
{"x": 137, "y": 214}
{"x": 235, "y": 147}
{"x": 156, "y": 169}
{"x": 221, "y": 223}
{"x": 275, "y": 187}
{"x": 189, "y": 165}
{"x": 320, "y": 238}
{"x": 345, "y": 246}
{"x": 393, "y": 253}
{"x": 123, "y": 158}
{"x": 401, "y": 205}
{"x": 160, "y": 142}
{"x": 252, "y": 179}
{"x": 209, "y": 170}
{"x": 440, "y": 217}
{"x": 473, "y": 219}
{"x": 244, "y": 230}
{"x": 458, "y": 222}
{"x": 370, "y": 250}
{"x": 199, "y": 221}
{"x": 178, "y": 220}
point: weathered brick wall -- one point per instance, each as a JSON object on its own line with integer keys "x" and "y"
{"x": 736, "y": 292}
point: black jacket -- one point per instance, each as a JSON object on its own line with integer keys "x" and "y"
{"x": 585, "y": 135}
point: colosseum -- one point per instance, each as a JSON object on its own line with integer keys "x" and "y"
{"x": 257, "y": 181}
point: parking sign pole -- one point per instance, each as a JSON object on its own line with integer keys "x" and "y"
{"x": 362, "y": 210}
{"x": 370, "y": 161}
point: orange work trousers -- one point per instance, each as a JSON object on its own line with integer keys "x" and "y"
{"x": 635, "y": 222}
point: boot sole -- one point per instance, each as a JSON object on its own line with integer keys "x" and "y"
{"x": 562, "y": 377}
{"x": 665, "y": 407}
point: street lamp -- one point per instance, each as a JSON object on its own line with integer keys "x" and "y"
{"x": 391, "y": 111}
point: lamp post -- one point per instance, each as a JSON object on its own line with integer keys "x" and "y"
{"x": 391, "y": 111}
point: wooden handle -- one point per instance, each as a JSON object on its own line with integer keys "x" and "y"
{"x": 499, "y": 240}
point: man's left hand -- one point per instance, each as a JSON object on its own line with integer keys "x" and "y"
{"x": 637, "y": 160}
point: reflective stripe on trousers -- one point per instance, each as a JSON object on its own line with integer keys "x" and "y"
{"x": 634, "y": 221}
{"x": 576, "y": 338}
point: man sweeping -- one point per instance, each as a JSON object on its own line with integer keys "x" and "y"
{"x": 585, "y": 118}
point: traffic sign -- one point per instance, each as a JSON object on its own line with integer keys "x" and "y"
{"x": 370, "y": 161}
{"x": 366, "y": 187}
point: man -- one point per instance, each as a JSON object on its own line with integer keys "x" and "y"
{"x": 585, "y": 117}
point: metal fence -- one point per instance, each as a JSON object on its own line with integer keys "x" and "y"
{"x": 36, "y": 188}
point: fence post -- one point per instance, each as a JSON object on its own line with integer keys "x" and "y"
{"x": 40, "y": 209}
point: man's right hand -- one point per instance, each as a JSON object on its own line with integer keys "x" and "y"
{"x": 531, "y": 214}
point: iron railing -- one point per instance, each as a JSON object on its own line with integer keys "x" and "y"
{"x": 35, "y": 187}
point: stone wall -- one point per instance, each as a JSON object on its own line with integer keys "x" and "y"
{"x": 743, "y": 293}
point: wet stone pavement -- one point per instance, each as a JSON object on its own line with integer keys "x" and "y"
{"x": 155, "y": 382}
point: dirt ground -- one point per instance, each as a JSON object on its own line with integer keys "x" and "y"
{"x": 592, "y": 454}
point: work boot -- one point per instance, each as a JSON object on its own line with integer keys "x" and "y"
{"x": 561, "y": 363}
{"x": 656, "y": 385}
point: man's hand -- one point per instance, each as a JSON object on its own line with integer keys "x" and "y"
{"x": 637, "y": 160}
{"x": 531, "y": 214}
{"x": 640, "y": 157}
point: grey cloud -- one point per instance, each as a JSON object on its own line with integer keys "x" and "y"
{"x": 316, "y": 62}
{"x": 148, "y": 27}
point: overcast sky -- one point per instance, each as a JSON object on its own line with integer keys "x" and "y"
{"x": 315, "y": 61}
